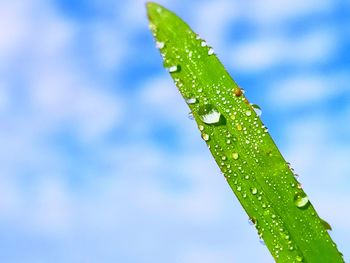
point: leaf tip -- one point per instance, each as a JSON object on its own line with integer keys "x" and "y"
{"x": 155, "y": 11}
{"x": 153, "y": 8}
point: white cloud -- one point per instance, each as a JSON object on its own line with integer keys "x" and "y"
{"x": 13, "y": 27}
{"x": 162, "y": 98}
{"x": 275, "y": 11}
{"x": 303, "y": 89}
{"x": 212, "y": 19}
{"x": 266, "y": 51}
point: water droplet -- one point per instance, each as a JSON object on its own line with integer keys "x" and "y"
{"x": 238, "y": 92}
{"x": 325, "y": 224}
{"x": 239, "y": 127}
{"x": 248, "y": 113}
{"x": 254, "y": 190}
{"x": 203, "y": 43}
{"x": 239, "y": 188}
{"x": 223, "y": 158}
{"x": 209, "y": 114}
{"x": 210, "y": 51}
{"x": 235, "y": 156}
{"x": 257, "y": 109}
{"x": 191, "y": 100}
{"x": 205, "y": 136}
{"x": 160, "y": 45}
{"x": 201, "y": 127}
{"x": 175, "y": 68}
{"x": 301, "y": 200}
{"x": 252, "y": 221}
{"x": 299, "y": 258}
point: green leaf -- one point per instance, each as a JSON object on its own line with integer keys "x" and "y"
{"x": 254, "y": 168}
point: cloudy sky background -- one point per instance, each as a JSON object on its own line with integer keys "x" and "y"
{"x": 99, "y": 162}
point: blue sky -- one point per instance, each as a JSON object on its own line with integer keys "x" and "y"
{"x": 99, "y": 161}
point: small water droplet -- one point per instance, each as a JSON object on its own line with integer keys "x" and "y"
{"x": 299, "y": 258}
{"x": 239, "y": 127}
{"x": 203, "y": 43}
{"x": 248, "y": 113}
{"x": 191, "y": 100}
{"x": 223, "y": 158}
{"x": 252, "y": 221}
{"x": 201, "y": 127}
{"x": 209, "y": 114}
{"x": 205, "y": 136}
{"x": 210, "y": 51}
{"x": 239, "y": 188}
{"x": 175, "y": 68}
{"x": 235, "y": 156}
{"x": 301, "y": 200}
{"x": 238, "y": 92}
{"x": 254, "y": 190}
{"x": 257, "y": 109}
{"x": 160, "y": 45}
{"x": 325, "y": 224}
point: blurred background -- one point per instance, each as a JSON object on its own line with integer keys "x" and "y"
{"x": 98, "y": 160}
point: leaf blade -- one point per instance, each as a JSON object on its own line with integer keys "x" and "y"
{"x": 240, "y": 144}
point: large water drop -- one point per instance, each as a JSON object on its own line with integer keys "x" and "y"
{"x": 301, "y": 200}
{"x": 209, "y": 114}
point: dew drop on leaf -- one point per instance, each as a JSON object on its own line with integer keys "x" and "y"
{"x": 191, "y": 100}
{"x": 205, "y": 136}
{"x": 160, "y": 45}
{"x": 235, "y": 156}
{"x": 174, "y": 68}
{"x": 209, "y": 114}
{"x": 257, "y": 109}
{"x": 252, "y": 221}
{"x": 301, "y": 200}
{"x": 238, "y": 92}
{"x": 254, "y": 190}
{"x": 210, "y": 51}
{"x": 299, "y": 259}
{"x": 325, "y": 224}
